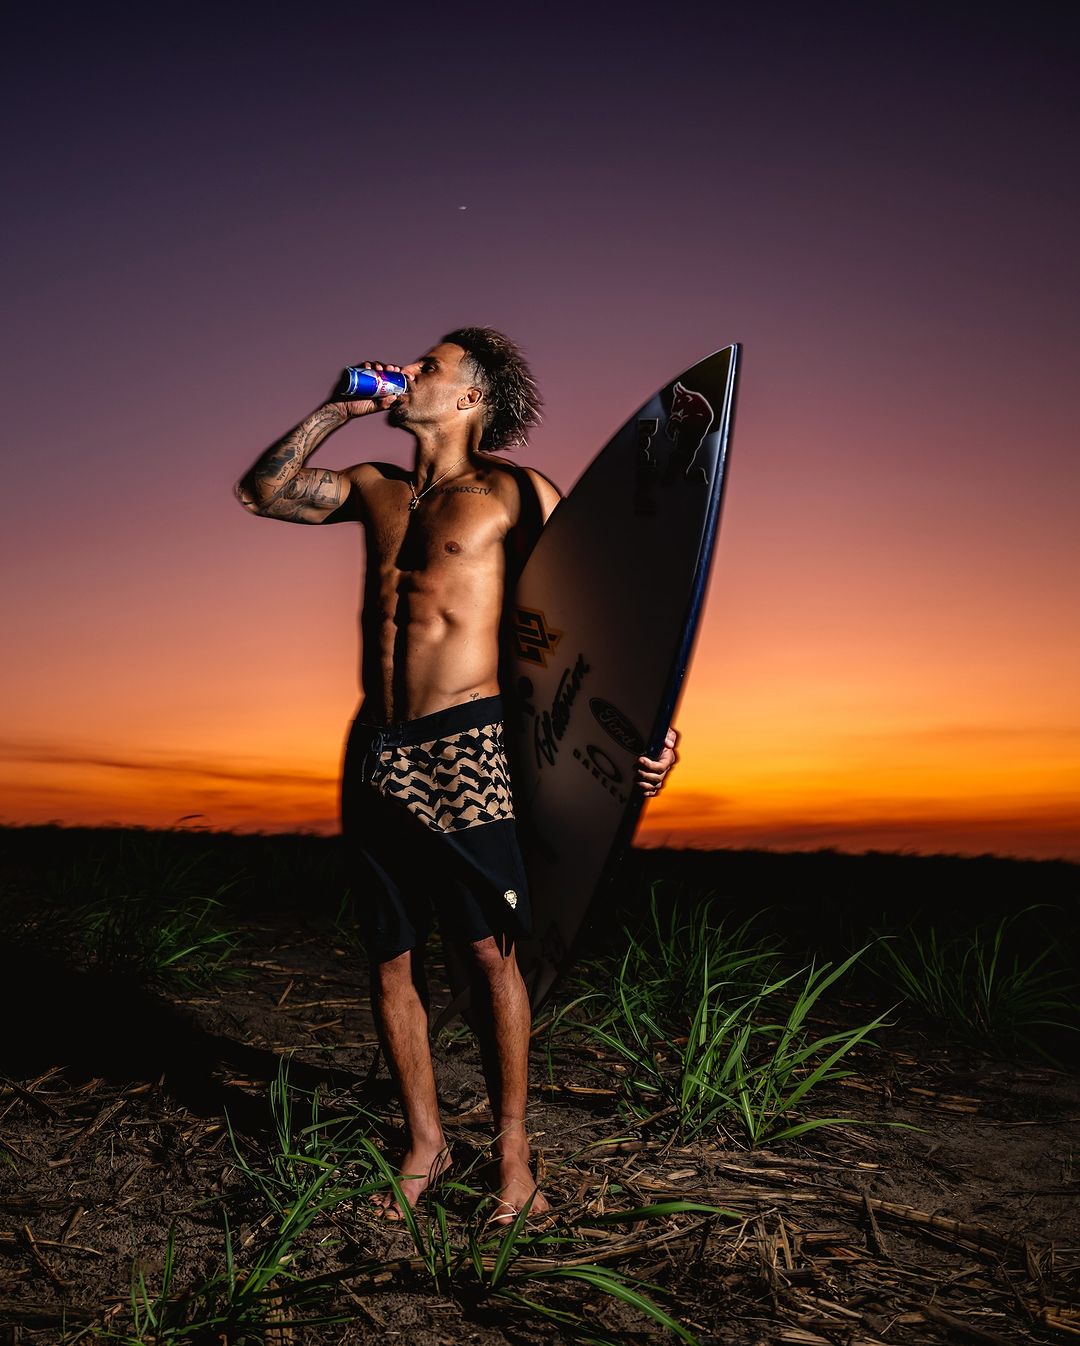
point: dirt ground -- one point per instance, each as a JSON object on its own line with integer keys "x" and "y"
{"x": 116, "y": 1100}
{"x": 965, "y": 1228}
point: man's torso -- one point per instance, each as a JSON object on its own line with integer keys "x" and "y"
{"x": 436, "y": 583}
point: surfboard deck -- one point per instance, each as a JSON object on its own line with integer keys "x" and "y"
{"x": 604, "y": 618}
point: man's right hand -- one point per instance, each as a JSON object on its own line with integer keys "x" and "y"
{"x": 364, "y": 406}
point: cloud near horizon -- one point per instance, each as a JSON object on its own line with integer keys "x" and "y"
{"x": 41, "y": 754}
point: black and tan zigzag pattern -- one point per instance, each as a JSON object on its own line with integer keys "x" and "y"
{"x": 451, "y": 783}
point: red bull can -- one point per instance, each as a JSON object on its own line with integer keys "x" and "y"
{"x": 357, "y": 382}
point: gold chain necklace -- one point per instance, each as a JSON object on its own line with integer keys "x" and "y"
{"x": 414, "y": 503}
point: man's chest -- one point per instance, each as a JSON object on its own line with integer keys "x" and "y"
{"x": 460, "y": 526}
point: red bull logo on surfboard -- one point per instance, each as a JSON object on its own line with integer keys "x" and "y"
{"x": 689, "y": 421}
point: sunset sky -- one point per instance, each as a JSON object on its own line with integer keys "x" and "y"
{"x": 208, "y": 216}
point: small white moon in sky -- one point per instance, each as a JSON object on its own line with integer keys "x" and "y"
{"x": 463, "y": 207}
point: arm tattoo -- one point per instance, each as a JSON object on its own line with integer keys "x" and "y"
{"x": 309, "y": 488}
{"x": 279, "y": 486}
{"x": 287, "y": 456}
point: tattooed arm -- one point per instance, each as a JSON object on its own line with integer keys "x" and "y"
{"x": 279, "y": 486}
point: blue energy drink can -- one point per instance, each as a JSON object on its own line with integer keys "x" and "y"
{"x": 372, "y": 383}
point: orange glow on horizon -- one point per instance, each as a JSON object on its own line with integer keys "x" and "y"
{"x": 815, "y": 713}
{"x": 767, "y": 781}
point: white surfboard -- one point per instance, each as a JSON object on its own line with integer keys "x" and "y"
{"x": 605, "y": 614}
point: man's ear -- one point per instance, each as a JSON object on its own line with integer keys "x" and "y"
{"x": 472, "y": 397}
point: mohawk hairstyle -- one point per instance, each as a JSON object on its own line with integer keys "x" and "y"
{"x": 510, "y": 392}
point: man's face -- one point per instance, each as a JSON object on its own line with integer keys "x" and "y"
{"x": 437, "y": 384}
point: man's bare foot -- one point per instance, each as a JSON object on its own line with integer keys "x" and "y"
{"x": 516, "y": 1186}
{"x": 420, "y": 1168}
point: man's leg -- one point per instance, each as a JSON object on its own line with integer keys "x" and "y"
{"x": 502, "y": 1021}
{"x": 399, "y": 998}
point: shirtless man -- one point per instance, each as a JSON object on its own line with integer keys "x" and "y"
{"x": 426, "y": 805}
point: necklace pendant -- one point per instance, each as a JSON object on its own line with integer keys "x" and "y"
{"x": 414, "y": 503}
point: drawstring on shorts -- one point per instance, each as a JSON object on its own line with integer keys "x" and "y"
{"x": 383, "y": 738}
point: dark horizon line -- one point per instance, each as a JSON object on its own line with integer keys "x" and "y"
{"x": 906, "y": 853}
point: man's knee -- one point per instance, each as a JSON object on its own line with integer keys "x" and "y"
{"x": 390, "y": 974}
{"x": 493, "y": 958}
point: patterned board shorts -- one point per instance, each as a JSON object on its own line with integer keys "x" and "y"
{"x": 428, "y": 820}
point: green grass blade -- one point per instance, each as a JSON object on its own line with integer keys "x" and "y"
{"x": 509, "y": 1243}
{"x": 611, "y": 1283}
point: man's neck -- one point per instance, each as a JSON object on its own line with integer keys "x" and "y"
{"x": 438, "y": 452}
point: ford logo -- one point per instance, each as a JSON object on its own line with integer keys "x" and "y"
{"x": 615, "y": 724}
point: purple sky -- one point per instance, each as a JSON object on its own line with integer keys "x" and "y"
{"x": 210, "y": 210}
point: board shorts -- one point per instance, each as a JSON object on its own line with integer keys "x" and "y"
{"x": 428, "y": 821}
